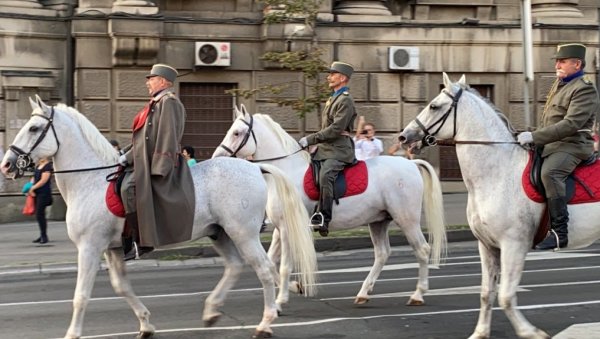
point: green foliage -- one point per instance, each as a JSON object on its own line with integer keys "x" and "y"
{"x": 305, "y": 60}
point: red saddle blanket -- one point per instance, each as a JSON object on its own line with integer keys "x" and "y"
{"x": 589, "y": 175}
{"x": 357, "y": 180}
{"x": 113, "y": 200}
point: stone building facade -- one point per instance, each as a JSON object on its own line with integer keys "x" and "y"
{"x": 93, "y": 54}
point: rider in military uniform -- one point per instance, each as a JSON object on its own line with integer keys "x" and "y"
{"x": 565, "y": 134}
{"x": 335, "y": 148}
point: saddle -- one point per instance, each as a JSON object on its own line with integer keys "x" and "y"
{"x": 353, "y": 180}
{"x": 583, "y": 185}
{"x": 113, "y": 198}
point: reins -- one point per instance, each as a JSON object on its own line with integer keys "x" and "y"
{"x": 276, "y": 158}
{"x": 86, "y": 169}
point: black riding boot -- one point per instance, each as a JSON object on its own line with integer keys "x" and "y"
{"x": 559, "y": 217}
{"x": 131, "y": 245}
{"x": 320, "y": 220}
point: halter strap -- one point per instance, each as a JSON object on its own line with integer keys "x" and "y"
{"x": 245, "y": 140}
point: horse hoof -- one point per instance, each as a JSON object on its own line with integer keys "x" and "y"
{"x": 415, "y": 302}
{"x": 144, "y": 335}
{"x": 361, "y": 300}
{"x": 211, "y": 321}
{"x": 296, "y": 287}
{"x": 262, "y": 334}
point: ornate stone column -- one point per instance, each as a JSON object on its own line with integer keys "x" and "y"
{"x": 361, "y": 7}
{"x": 555, "y": 9}
{"x": 139, "y": 7}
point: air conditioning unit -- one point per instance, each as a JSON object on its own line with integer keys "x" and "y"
{"x": 213, "y": 53}
{"x": 403, "y": 58}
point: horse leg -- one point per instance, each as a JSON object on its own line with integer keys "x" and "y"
{"x": 88, "y": 263}
{"x": 255, "y": 256}
{"x": 382, "y": 250}
{"x": 122, "y": 287}
{"x": 233, "y": 267}
{"x": 421, "y": 249}
{"x": 490, "y": 266}
{"x": 513, "y": 261}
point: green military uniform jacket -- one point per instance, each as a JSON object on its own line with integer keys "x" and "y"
{"x": 337, "y": 117}
{"x": 572, "y": 108}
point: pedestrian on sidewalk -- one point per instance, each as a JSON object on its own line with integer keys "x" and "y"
{"x": 41, "y": 190}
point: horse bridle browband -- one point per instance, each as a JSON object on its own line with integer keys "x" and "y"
{"x": 245, "y": 141}
{"x": 24, "y": 161}
{"x": 430, "y": 140}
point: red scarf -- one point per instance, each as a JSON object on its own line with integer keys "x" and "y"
{"x": 141, "y": 116}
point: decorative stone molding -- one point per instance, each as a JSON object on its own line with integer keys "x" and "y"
{"x": 362, "y": 7}
{"x": 31, "y": 7}
{"x": 555, "y": 8}
{"x": 138, "y": 7}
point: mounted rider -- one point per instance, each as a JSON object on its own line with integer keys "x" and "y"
{"x": 565, "y": 135}
{"x": 158, "y": 191}
{"x": 335, "y": 148}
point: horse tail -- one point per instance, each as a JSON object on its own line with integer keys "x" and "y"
{"x": 294, "y": 231}
{"x": 434, "y": 211}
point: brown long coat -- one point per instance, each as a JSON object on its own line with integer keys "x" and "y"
{"x": 164, "y": 188}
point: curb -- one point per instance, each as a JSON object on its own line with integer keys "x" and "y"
{"x": 206, "y": 255}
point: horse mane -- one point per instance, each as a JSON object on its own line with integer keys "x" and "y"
{"x": 90, "y": 132}
{"x": 289, "y": 144}
{"x": 487, "y": 101}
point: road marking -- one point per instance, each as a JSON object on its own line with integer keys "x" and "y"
{"x": 339, "y": 319}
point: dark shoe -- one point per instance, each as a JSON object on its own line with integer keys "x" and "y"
{"x": 553, "y": 241}
{"x": 43, "y": 240}
{"x": 316, "y": 221}
{"x": 324, "y": 230}
{"x": 557, "y": 238}
{"x": 136, "y": 252}
{"x": 37, "y": 240}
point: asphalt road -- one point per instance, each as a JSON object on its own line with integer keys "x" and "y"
{"x": 557, "y": 291}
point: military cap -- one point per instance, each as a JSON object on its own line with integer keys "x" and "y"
{"x": 341, "y": 67}
{"x": 570, "y": 51}
{"x": 164, "y": 71}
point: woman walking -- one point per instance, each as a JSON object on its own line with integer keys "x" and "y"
{"x": 42, "y": 192}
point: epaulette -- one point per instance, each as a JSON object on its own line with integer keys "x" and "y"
{"x": 586, "y": 79}
{"x": 346, "y": 93}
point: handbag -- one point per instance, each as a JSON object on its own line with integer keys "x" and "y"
{"x": 29, "y": 208}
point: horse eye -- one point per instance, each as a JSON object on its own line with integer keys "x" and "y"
{"x": 33, "y": 129}
{"x": 237, "y": 134}
{"x": 433, "y": 106}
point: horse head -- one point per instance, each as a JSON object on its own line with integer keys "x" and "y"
{"x": 32, "y": 141}
{"x": 438, "y": 119}
{"x": 237, "y": 141}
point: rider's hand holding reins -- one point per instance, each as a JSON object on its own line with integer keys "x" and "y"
{"x": 303, "y": 142}
{"x": 525, "y": 138}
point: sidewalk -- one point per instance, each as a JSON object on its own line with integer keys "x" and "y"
{"x": 18, "y": 255}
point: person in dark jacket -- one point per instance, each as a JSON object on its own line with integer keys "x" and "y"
{"x": 566, "y": 135}
{"x": 335, "y": 148}
{"x": 41, "y": 190}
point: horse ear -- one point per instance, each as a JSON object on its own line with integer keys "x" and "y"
{"x": 447, "y": 82}
{"x": 41, "y": 104}
{"x": 34, "y": 104}
{"x": 462, "y": 81}
{"x": 238, "y": 113}
{"x": 244, "y": 110}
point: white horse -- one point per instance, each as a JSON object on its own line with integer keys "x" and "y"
{"x": 395, "y": 191}
{"x": 502, "y": 218}
{"x": 231, "y": 198}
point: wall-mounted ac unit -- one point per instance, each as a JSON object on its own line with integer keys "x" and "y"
{"x": 213, "y": 53}
{"x": 404, "y": 58}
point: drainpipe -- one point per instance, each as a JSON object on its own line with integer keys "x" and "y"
{"x": 527, "y": 58}
{"x": 70, "y": 58}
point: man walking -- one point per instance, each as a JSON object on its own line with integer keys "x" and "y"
{"x": 335, "y": 148}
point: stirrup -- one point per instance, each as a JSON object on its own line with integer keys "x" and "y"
{"x": 317, "y": 220}
{"x": 557, "y": 248}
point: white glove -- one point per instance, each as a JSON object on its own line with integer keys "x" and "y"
{"x": 123, "y": 160}
{"x": 303, "y": 142}
{"x": 525, "y": 138}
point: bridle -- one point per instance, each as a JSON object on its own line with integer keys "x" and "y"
{"x": 430, "y": 140}
{"x": 245, "y": 141}
{"x": 24, "y": 161}
{"x": 249, "y": 133}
